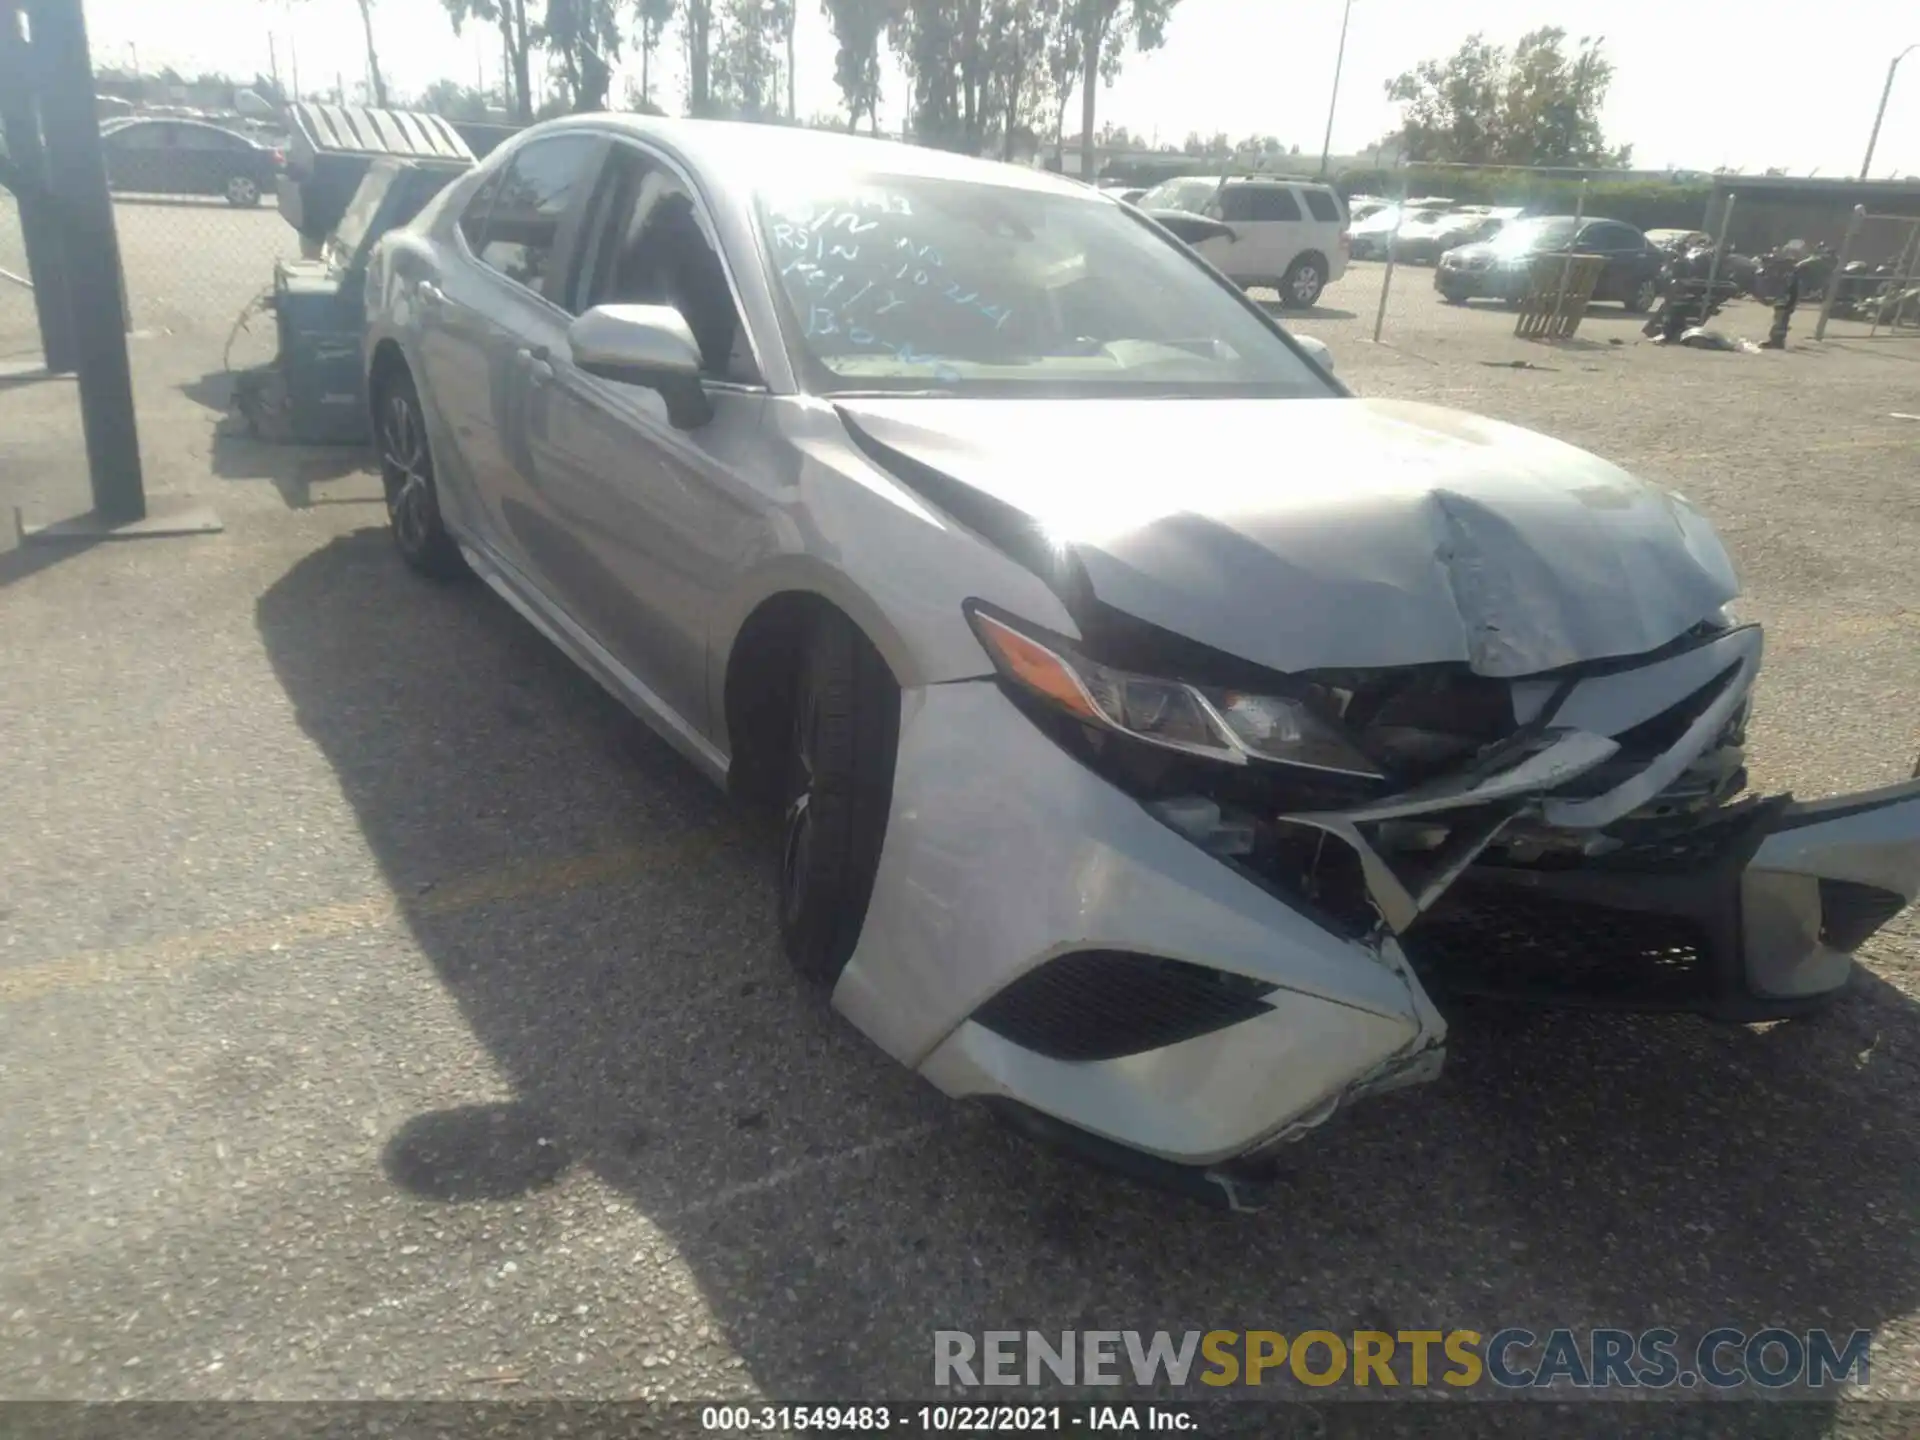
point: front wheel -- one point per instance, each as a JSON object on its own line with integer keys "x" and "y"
{"x": 846, "y": 730}
{"x": 1300, "y": 287}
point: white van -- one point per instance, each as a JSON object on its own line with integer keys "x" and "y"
{"x": 1288, "y": 235}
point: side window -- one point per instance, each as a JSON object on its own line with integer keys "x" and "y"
{"x": 207, "y": 137}
{"x": 473, "y": 219}
{"x": 648, "y": 247}
{"x": 536, "y": 191}
{"x": 147, "y": 137}
{"x": 1274, "y": 202}
{"x": 1607, "y": 236}
{"x": 1322, "y": 206}
{"x": 1237, "y": 203}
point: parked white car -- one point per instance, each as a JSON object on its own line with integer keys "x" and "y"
{"x": 1287, "y": 235}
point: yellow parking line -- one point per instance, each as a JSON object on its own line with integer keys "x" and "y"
{"x": 160, "y": 958}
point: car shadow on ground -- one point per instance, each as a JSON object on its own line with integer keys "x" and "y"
{"x": 238, "y": 452}
{"x": 1567, "y": 1169}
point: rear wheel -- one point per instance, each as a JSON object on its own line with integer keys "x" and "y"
{"x": 846, "y": 729}
{"x": 1640, "y": 299}
{"x": 1300, "y": 287}
{"x": 243, "y": 191}
{"x": 406, "y": 472}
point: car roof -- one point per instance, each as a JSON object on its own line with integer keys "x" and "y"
{"x": 740, "y": 155}
{"x": 128, "y": 122}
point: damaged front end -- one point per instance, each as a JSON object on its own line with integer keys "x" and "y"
{"x": 1574, "y": 837}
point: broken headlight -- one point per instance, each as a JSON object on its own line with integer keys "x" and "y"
{"x": 1232, "y": 726}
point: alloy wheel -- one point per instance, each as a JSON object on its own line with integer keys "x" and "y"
{"x": 796, "y": 853}
{"x": 403, "y": 461}
{"x": 241, "y": 190}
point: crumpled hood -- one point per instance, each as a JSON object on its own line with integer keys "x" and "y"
{"x": 1336, "y": 533}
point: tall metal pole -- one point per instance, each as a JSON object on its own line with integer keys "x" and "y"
{"x": 1339, "y": 60}
{"x": 1866, "y": 165}
{"x": 77, "y": 176}
{"x": 1854, "y": 222}
{"x": 1393, "y": 243}
{"x": 38, "y": 233}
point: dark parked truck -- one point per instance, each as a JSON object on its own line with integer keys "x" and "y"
{"x": 331, "y": 147}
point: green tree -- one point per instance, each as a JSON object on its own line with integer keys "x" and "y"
{"x": 373, "y": 55}
{"x": 584, "y": 38}
{"x": 518, "y": 40}
{"x": 697, "y": 31}
{"x": 376, "y": 82}
{"x": 1104, "y": 28}
{"x": 654, "y": 17}
{"x": 1484, "y": 105}
{"x": 744, "y": 63}
{"x": 857, "y": 28}
{"x": 454, "y": 100}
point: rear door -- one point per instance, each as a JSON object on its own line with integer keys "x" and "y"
{"x": 486, "y": 315}
{"x": 1269, "y": 223}
{"x": 145, "y": 156}
{"x": 1623, "y": 246}
{"x": 209, "y": 157}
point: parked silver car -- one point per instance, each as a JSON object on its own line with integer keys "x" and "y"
{"x": 1133, "y": 778}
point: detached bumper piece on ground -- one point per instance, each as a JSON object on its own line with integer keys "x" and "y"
{"x": 1180, "y": 986}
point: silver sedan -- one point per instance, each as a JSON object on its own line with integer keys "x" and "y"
{"x": 1154, "y": 726}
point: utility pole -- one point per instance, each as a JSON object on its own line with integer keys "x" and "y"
{"x": 1866, "y": 166}
{"x": 1339, "y": 61}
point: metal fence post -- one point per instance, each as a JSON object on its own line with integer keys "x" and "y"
{"x": 91, "y": 250}
{"x": 1386, "y": 281}
{"x": 1854, "y": 222}
{"x": 1566, "y": 261}
{"x": 1719, "y": 249}
{"x": 1903, "y": 269}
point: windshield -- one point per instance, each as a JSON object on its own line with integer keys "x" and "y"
{"x": 1541, "y": 234}
{"x": 910, "y": 283}
{"x": 1191, "y": 195}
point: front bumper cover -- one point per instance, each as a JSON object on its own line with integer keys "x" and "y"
{"x": 1004, "y": 854}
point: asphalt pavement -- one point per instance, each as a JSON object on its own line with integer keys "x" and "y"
{"x": 385, "y": 1013}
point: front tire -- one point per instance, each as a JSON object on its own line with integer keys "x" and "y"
{"x": 406, "y": 473}
{"x": 846, "y": 733}
{"x": 1300, "y": 287}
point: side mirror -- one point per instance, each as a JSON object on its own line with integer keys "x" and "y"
{"x": 646, "y": 345}
{"x": 1317, "y": 351}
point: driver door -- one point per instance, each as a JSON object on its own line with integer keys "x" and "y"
{"x": 639, "y": 527}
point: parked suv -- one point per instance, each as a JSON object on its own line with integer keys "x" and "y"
{"x": 1287, "y": 235}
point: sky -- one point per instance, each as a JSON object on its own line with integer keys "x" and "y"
{"x": 1242, "y": 66}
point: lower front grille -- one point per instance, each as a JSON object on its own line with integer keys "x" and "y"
{"x": 1850, "y": 913}
{"x": 1103, "y": 1004}
{"x": 1509, "y": 942}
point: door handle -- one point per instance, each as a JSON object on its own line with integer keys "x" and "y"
{"x": 535, "y": 363}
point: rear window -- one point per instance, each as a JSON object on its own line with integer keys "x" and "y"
{"x": 1322, "y": 205}
{"x": 1260, "y": 202}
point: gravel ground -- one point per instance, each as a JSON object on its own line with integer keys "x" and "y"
{"x": 383, "y": 1013}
